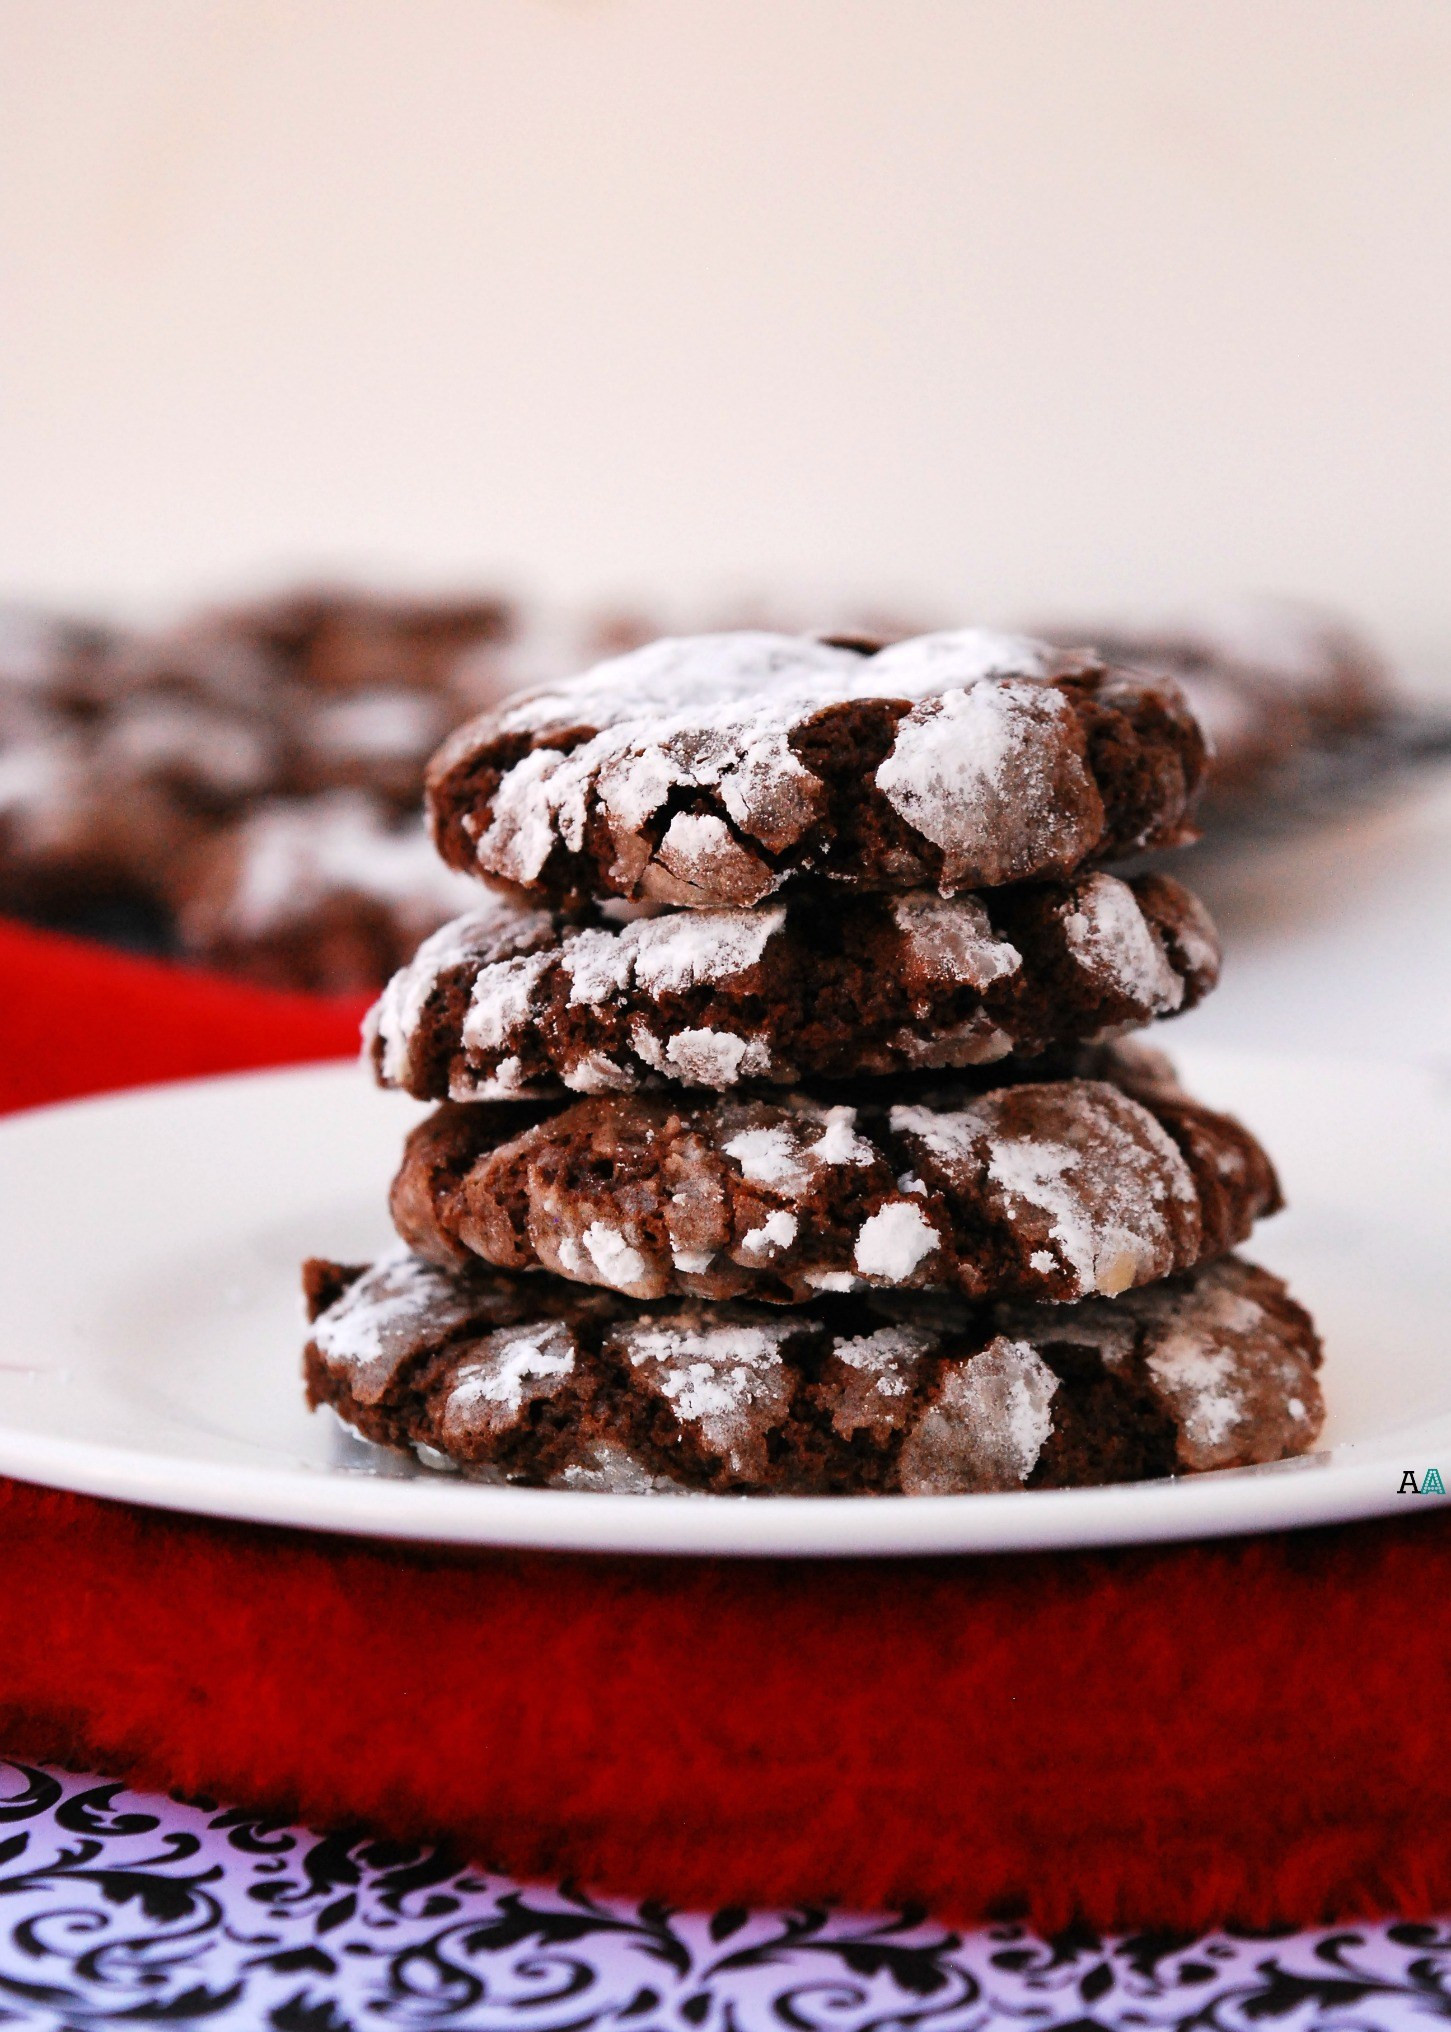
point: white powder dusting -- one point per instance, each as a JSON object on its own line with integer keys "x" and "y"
{"x": 1109, "y": 936}
{"x": 618, "y": 1263}
{"x": 951, "y": 938}
{"x": 667, "y": 954}
{"x": 508, "y": 1078}
{"x": 377, "y": 1323}
{"x": 831, "y": 1280}
{"x": 925, "y": 664}
{"x": 1081, "y": 1155}
{"x": 676, "y": 952}
{"x": 888, "y": 1356}
{"x": 771, "y": 1157}
{"x": 1104, "y": 1255}
{"x": 522, "y": 826}
{"x": 502, "y": 1000}
{"x": 1215, "y": 1356}
{"x": 593, "y": 1073}
{"x": 967, "y": 771}
{"x": 649, "y": 684}
{"x": 988, "y": 1426}
{"x": 698, "y": 858}
{"x": 1201, "y": 1380}
{"x": 838, "y": 1142}
{"x": 506, "y": 1370}
{"x": 1198, "y": 940}
{"x": 894, "y": 1241}
{"x": 950, "y": 1135}
{"x": 460, "y": 943}
{"x": 715, "y": 1058}
{"x": 730, "y": 1381}
{"x": 777, "y": 1231}
{"x": 597, "y": 965}
{"x": 609, "y": 1470}
{"x": 647, "y": 1047}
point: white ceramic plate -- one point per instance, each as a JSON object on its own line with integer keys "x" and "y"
{"x": 150, "y": 1326}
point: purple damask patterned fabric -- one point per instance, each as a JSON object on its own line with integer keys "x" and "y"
{"x": 120, "y": 1908}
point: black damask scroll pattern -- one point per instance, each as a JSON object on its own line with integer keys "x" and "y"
{"x": 122, "y": 1909}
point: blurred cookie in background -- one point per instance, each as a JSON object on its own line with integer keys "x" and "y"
{"x": 1279, "y": 688}
{"x": 125, "y": 753}
{"x": 330, "y": 893}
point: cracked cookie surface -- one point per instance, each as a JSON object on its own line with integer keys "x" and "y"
{"x": 519, "y": 1379}
{"x": 511, "y": 1001}
{"x": 1053, "y": 1188}
{"x": 708, "y": 770}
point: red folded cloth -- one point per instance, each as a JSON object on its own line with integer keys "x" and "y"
{"x": 1174, "y": 1736}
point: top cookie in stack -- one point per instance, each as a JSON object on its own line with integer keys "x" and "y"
{"x": 821, "y": 935}
{"x": 714, "y": 769}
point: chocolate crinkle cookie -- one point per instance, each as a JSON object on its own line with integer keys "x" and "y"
{"x": 326, "y": 893}
{"x": 1052, "y": 1188}
{"x": 707, "y": 770}
{"x": 535, "y": 1381}
{"x": 515, "y": 1001}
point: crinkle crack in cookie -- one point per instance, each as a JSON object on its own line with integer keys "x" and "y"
{"x": 511, "y": 1001}
{"x": 528, "y": 1380}
{"x": 707, "y": 769}
{"x": 1053, "y": 1189}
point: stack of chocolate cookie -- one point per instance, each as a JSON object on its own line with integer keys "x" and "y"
{"x": 787, "y": 1140}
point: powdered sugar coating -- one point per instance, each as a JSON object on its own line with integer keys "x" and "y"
{"x": 730, "y": 1381}
{"x": 502, "y": 1373}
{"x": 1106, "y": 931}
{"x": 605, "y": 1469}
{"x": 374, "y": 1328}
{"x": 650, "y": 683}
{"x": 777, "y": 1231}
{"x": 491, "y": 935}
{"x": 893, "y": 1241}
{"x": 951, "y": 938}
{"x": 978, "y": 773}
{"x": 1087, "y": 1175}
{"x": 1220, "y": 1366}
{"x": 681, "y": 771}
{"x": 787, "y": 1154}
{"x": 877, "y": 1383}
{"x": 988, "y": 1426}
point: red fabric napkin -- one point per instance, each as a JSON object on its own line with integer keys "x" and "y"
{"x": 1252, "y": 1729}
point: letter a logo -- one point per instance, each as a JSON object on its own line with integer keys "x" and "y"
{"x": 1432, "y": 1484}
{"x": 1408, "y": 1485}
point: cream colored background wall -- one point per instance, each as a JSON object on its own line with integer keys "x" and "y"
{"x": 992, "y": 302}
